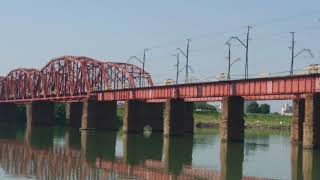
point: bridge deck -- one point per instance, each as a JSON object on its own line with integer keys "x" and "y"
{"x": 274, "y": 88}
{"x": 271, "y": 88}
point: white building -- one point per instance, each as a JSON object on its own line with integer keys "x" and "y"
{"x": 286, "y": 110}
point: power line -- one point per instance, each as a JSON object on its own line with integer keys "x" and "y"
{"x": 293, "y": 55}
{"x": 186, "y": 55}
{"x": 292, "y": 52}
{"x": 143, "y": 62}
{"x": 178, "y": 67}
{"x": 246, "y": 46}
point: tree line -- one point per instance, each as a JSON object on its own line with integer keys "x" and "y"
{"x": 254, "y": 107}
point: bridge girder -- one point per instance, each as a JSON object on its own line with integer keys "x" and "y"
{"x": 71, "y": 76}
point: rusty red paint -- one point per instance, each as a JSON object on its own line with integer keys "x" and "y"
{"x": 74, "y": 78}
{"x": 70, "y": 77}
{"x": 276, "y": 88}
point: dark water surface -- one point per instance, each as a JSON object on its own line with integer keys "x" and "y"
{"x": 59, "y": 153}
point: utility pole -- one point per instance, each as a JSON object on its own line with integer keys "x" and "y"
{"x": 246, "y": 46}
{"x": 292, "y": 52}
{"x": 143, "y": 62}
{"x": 187, "y": 63}
{"x": 186, "y": 55}
{"x": 229, "y": 60}
{"x": 178, "y": 67}
{"x": 247, "y": 53}
{"x": 294, "y": 55}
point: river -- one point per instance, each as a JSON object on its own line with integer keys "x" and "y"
{"x": 61, "y": 153}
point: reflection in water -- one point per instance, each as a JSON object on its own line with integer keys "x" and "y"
{"x": 296, "y": 162}
{"x": 98, "y": 144}
{"x": 310, "y": 164}
{"x": 305, "y": 163}
{"x": 138, "y": 148}
{"x": 41, "y": 138}
{"x": 177, "y": 152}
{"x": 231, "y": 159}
{"x": 256, "y": 140}
{"x": 51, "y": 153}
{"x": 8, "y": 132}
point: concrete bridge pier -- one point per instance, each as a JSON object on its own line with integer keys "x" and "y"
{"x": 188, "y": 118}
{"x": 311, "y": 131}
{"x": 8, "y": 112}
{"x": 99, "y": 115}
{"x": 134, "y": 118}
{"x": 40, "y": 113}
{"x": 73, "y": 114}
{"x": 178, "y": 117}
{"x": 154, "y": 113}
{"x": 138, "y": 114}
{"x": 297, "y": 120}
{"x": 232, "y": 122}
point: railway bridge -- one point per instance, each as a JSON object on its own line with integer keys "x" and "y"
{"x": 91, "y": 89}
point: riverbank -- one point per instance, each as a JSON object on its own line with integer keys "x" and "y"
{"x": 210, "y": 119}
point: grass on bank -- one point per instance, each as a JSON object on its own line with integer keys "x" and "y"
{"x": 268, "y": 120}
{"x": 251, "y": 120}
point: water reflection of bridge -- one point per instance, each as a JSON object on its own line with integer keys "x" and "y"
{"x": 51, "y": 154}
{"x": 21, "y": 160}
{"x": 91, "y": 155}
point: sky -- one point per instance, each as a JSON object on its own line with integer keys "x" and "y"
{"x": 33, "y": 32}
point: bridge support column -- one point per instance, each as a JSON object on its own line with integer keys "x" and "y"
{"x": 73, "y": 114}
{"x": 8, "y": 112}
{"x": 99, "y": 115}
{"x": 311, "y": 121}
{"x": 154, "y": 113}
{"x": 138, "y": 114}
{"x": 188, "y": 118}
{"x": 232, "y": 122}
{"x": 134, "y": 118}
{"x": 297, "y": 120}
{"x": 40, "y": 113}
{"x": 178, "y": 117}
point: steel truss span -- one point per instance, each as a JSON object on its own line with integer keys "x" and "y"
{"x": 71, "y": 76}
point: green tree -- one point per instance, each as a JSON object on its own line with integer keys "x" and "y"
{"x": 264, "y": 109}
{"x": 203, "y": 106}
{"x": 253, "y": 107}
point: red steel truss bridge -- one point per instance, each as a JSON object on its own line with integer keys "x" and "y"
{"x": 74, "y": 78}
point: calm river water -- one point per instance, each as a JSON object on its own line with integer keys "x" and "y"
{"x": 59, "y": 153}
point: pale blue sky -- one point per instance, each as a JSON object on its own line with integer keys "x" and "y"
{"x": 34, "y": 31}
